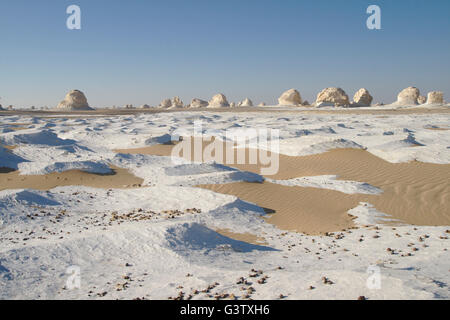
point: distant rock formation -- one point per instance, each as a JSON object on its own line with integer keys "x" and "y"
{"x": 290, "y": 97}
{"x": 305, "y": 103}
{"x": 262, "y": 104}
{"x": 246, "y": 103}
{"x": 198, "y": 103}
{"x": 74, "y": 100}
{"x": 232, "y": 105}
{"x": 218, "y": 101}
{"x": 1, "y": 108}
{"x": 334, "y": 97}
{"x": 176, "y": 103}
{"x": 421, "y": 100}
{"x": 129, "y": 106}
{"x": 363, "y": 98}
{"x": 435, "y": 97}
{"x": 408, "y": 96}
{"x": 145, "y": 106}
{"x": 166, "y": 103}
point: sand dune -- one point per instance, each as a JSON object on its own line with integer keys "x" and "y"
{"x": 413, "y": 193}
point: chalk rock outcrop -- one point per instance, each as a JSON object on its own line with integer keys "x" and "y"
{"x": 363, "y": 98}
{"x": 177, "y": 103}
{"x": 145, "y": 106}
{"x": 166, "y": 103}
{"x": 198, "y": 103}
{"x": 74, "y": 100}
{"x": 262, "y": 104}
{"x": 218, "y": 101}
{"x": 1, "y": 108}
{"x": 232, "y": 105}
{"x": 435, "y": 97}
{"x": 290, "y": 97}
{"x": 421, "y": 99}
{"x": 335, "y": 97}
{"x": 408, "y": 96}
{"x": 246, "y": 103}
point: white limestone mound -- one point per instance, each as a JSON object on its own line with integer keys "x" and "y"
{"x": 435, "y": 97}
{"x": 408, "y": 96}
{"x": 232, "y": 105}
{"x": 334, "y": 97}
{"x": 145, "y": 106}
{"x": 166, "y": 103}
{"x": 198, "y": 103}
{"x": 290, "y": 97}
{"x": 246, "y": 103}
{"x": 421, "y": 100}
{"x": 74, "y": 100}
{"x": 363, "y": 98}
{"x": 218, "y": 101}
{"x": 1, "y": 108}
{"x": 176, "y": 103}
{"x": 262, "y": 104}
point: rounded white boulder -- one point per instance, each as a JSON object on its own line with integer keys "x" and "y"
{"x": 363, "y": 98}
{"x": 408, "y": 96}
{"x": 290, "y": 97}
{"x": 218, "y": 101}
{"x": 74, "y": 100}
{"x": 435, "y": 97}
{"x": 334, "y": 97}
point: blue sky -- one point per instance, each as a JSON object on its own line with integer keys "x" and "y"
{"x": 141, "y": 51}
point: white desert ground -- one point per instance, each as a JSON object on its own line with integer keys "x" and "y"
{"x": 358, "y": 191}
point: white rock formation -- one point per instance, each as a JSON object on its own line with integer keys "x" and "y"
{"x": 335, "y": 97}
{"x": 166, "y": 103}
{"x": 198, "y": 103}
{"x": 218, "y": 101}
{"x": 363, "y": 98}
{"x": 305, "y": 103}
{"x": 232, "y": 105}
{"x": 176, "y": 103}
{"x": 290, "y": 98}
{"x": 145, "y": 106}
{"x": 246, "y": 103}
{"x": 1, "y": 108}
{"x": 421, "y": 100}
{"x": 74, "y": 100}
{"x": 408, "y": 96}
{"x": 262, "y": 104}
{"x": 435, "y": 97}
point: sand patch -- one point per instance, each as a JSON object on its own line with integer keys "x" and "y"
{"x": 119, "y": 179}
{"x": 244, "y": 237}
{"x": 414, "y": 193}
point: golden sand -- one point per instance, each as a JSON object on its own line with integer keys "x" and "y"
{"x": 414, "y": 193}
{"x": 120, "y": 179}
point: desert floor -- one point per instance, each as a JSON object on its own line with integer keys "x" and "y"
{"x": 358, "y": 191}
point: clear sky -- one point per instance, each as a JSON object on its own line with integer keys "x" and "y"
{"x": 141, "y": 51}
